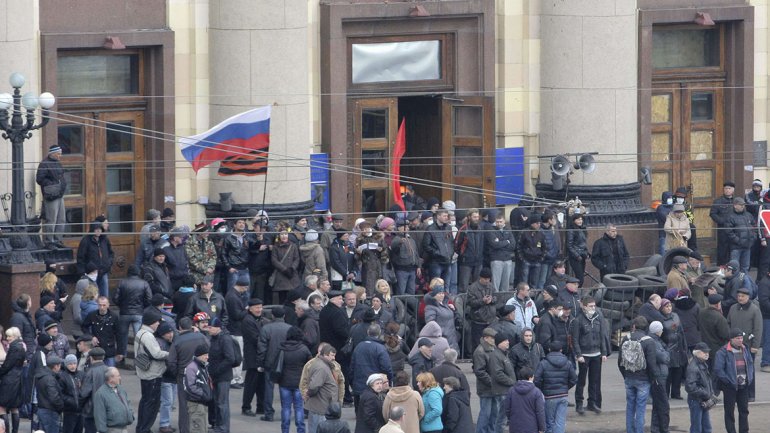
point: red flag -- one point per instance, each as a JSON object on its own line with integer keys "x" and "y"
{"x": 398, "y": 152}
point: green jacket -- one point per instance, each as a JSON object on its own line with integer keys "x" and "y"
{"x": 112, "y": 409}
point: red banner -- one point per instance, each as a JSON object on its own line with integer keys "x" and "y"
{"x": 398, "y": 152}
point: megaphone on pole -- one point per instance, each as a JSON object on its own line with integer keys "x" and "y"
{"x": 560, "y": 165}
{"x": 586, "y": 162}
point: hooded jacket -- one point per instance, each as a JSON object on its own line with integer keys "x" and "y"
{"x": 23, "y": 320}
{"x": 555, "y": 375}
{"x": 524, "y": 406}
{"x": 411, "y": 401}
{"x": 432, "y": 400}
{"x": 95, "y": 250}
{"x": 432, "y": 331}
{"x": 49, "y": 392}
{"x": 314, "y": 258}
{"x": 456, "y": 414}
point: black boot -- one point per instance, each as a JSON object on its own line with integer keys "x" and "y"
{"x": 15, "y": 422}
{"x": 579, "y": 408}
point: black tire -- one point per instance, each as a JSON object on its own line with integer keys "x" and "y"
{"x": 612, "y": 315}
{"x": 620, "y": 280}
{"x": 665, "y": 264}
{"x": 649, "y": 284}
{"x": 614, "y": 305}
{"x": 653, "y": 260}
{"x": 643, "y": 271}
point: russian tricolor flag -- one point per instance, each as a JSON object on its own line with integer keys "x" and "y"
{"x": 241, "y": 136}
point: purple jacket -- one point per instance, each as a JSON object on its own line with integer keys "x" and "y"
{"x": 525, "y": 408}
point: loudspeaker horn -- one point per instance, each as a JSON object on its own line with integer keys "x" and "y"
{"x": 646, "y": 175}
{"x": 560, "y": 165}
{"x": 587, "y": 163}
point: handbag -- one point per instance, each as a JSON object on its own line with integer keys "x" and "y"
{"x": 347, "y": 349}
{"x": 388, "y": 273}
{"x": 142, "y": 360}
{"x": 52, "y": 192}
{"x": 708, "y": 404}
{"x": 277, "y": 372}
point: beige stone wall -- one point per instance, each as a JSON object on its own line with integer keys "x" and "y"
{"x": 314, "y": 72}
{"x": 189, "y": 19}
{"x": 761, "y": 16}
{"x": 20, "y": 52}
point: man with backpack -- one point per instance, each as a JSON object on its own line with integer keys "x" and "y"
{"x": 636, "y": 362}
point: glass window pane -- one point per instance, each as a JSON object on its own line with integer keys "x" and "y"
{"x": 684, "y": 48}
{"x": 701, "y": 145}
{"x": 121, "y": 217}
{"x": 71, "y": 139}
{"x": 661, "y": 146}
{"x": 374, "y": 161}
{"x": 468, "y": 121}
{"x": 469, "y": 161}
{"x": 702, "y": 183}
{"x": 97, "y": 75}
{"x": 702, "y": 106}
{"x": 661, "y": 108}
{"x": 75, "y": 177}
{"x": 119, "y": 137}
{"x": 374, "y": 200}
{"x": 75, "y": 218}
{"x": 120, "y": 178}
{"x": 374, "y": 123}
{"x": 396, "y": 61}
{"x": 661, "y": 182}
{"x": 465, "y": 200}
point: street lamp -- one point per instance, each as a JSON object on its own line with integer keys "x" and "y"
{"x": 18, "y": 130}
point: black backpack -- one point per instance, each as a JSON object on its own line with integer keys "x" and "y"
{"x": 236, "y": 351}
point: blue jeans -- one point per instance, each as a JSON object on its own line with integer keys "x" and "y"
{"x": 288, "y": 397}
{"x": 530, "y": 272}
{"x": 555, "y": 415}
{"x": 167, "y": 394}
{"x": 49, "y": 420}
{"x": 103, "y": 283}
{"x": 489, "y": 414}
{"x": 269, "y": 389}
{"x": 124, "y": 321}
{"x": 742, "y": 256}
{"x": 700, "y": 421}
{"x": 313, "y": 419}
{"x": 637, "y": 391}
{"x": 232, "y": 277}
{"x": 109, "y": 362}
{"x": 765, "y": 343}
{"x": 405, "y": 281}
{"x": 545, "y": 269}
{"x": 439, "y": 270}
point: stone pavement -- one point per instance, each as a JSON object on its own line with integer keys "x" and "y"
{"x": 612, "y": 419}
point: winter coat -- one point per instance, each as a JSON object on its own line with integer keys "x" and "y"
{"x": 112, "y": 410}
{"x": 49, "y": 392}
{"x": 662, "y": 358}
{"x": 197, "y": 382}
{"x": 478, "y": 310}
{"x": 236, "y": 312}
{"x": 698, "y": 381}
{"x": 432, "y": 400}
{"x": 676, "y": 280}
{"x": 235, "y": 251}
{"x": 271, "y": 337}
{"x": 526, "y": 310}
{"x": 649, "y": 312}
{"x": 181, "y": 300}
{"x": 724, "y": 366}
{"x": 664, "y": 209}
{"x": 571, "y": 300}
{"x": 132, "y": 296}
{"x": 545, "y": 331}
{"x": 404, "y": 253}
{"x": 182, "y": 351}
{"x": 221, "y": 357}
{"x": 285, "y": 260}
{"x": 420, "y": 364}
{"x": 295, "y": 356}
{"x": 314, "y": 258}
{"x": 648, "y": 347}
{"x": 609, "y": 255}
{"x": 677, "y": 230}
{"x": 444, "y": 317}
{"x": 146, "y": 250}
{"x": 590, "y": 335}
{"x": 411, "y": 401}
{"x": 397, "y": 355}
{"x": 509, "y": 328}
{"x": 469, "y": 246}
{"x": 214, "y": 306}
{"x": 156, "y": 274}
{"x": 251, "y": 328}
{"x": 500, "y": 245}
{"x": 311, "y": 330}
{"x": 95, "y": 250}
{"x": 433, "y": 332}
{"x": 334, "y": 325}
{"x": 11, "y": 375}
{"x": 70, "y": 386}
{"x": 259, "y": 259}
{"x": 371, "y": 260}
{"x": 438, "y": 244}
{"x": 494, "y": 371}
{"x": 80, "y": 288}
{"x": 552, "y": 243}
{"x": 555, "y": 375}
{"x": 105, "y": 328}
{"x": 322, "y": 388}
{"x": 201, "y": 256}
{"x": 145, "y": 342}
{"x": 524, "y": 406}
{"x": 93, "y": 379}
{"x": 522, "y": 355}
{"x": 456, "y": 413}
{"x": 688, "y": 311}
{"x": 50, "y": 172}
{"x": 740, "y": 230}
{"x": 747, "y": 318}
{"x": 732, "y": 284}
{"x": 577, "y": 246}
{"x": 176, "y": 262}
{"x": 369, "y": 357}
{"x": 448, "y": 369}
{"x": 721, "y": 210}
{"x": 343, "y": 261}
{"x": 532, "y": 246}
{"x": 713, "y": 328}
{"x": 369, "y": 417}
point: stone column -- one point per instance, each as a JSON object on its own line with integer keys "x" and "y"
{"x": 259, "y": 56}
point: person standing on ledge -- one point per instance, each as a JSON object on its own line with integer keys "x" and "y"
{"x": 50, "y": 177}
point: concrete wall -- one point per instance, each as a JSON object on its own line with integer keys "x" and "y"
{"x": 588, "y": 78}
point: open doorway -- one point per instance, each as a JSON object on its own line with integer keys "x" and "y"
{"x": 423, "y": 157}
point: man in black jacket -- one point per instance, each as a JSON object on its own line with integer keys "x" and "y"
{"x": 53, "y": 184}
{"x": 96, "y": 248}
{"x": 155, "y": 272}
{"x": 180, "y": 355}
{"x": 532, "y": 250}
{"x": 449, "y": 368}
{"x": 741, "y": 233}
{"x": 546, "y": 327}
{"x": 71, "y": 380}
{"x": 438, "y": 246}
{"x": 481, "y": 305}
{"x": 208, "y": 301}
{"x": 176, "y": 258}
{"x": 501, "y": 249}
{"x": 719, "y": 213}
{"x": 469, "y": 246}
{"x": 591, "y": 343}
{"x": 334, "y": 321}
{"x": 50, "y": 403}
{"x": 221, "y": 360}
{"x": 103, "y": 326}
{"x": 555, "y": 376}
{"x": 237, "y": 310}
{"x": 132, "y": 297}
{"x": 254, "y": 383}
{"x": 235, "y": 253}
{"x": 609, "y": 253}
{"x": 271, "y": 337}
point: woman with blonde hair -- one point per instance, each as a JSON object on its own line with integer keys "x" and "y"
{"x": 49, "y": 286}
{"x": 11, "y": 380}
{"x": 432, "y": 400}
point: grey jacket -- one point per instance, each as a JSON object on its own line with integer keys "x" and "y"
{"x": 145, "y": 342}
{"x": 112, "y": 409}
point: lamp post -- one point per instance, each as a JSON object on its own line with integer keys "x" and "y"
{"x": 17, "y": 129}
